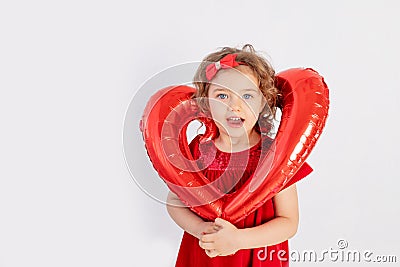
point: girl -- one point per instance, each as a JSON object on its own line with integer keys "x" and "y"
{"x": 236, "y": 88}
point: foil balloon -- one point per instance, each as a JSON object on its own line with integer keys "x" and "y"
{"x": 304, "y": 105}
{"x": 163, "y": 125}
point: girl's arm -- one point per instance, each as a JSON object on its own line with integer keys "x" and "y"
{"x": 229, "y": 239}
{"x": 186, "y": 219}
{"x": 277, "y": 230}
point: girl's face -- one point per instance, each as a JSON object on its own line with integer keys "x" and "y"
{"x": 235, "y": 101}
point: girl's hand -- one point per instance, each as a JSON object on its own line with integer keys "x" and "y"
{"x": 222, "y": 243}
{"x": 205, "y": 228}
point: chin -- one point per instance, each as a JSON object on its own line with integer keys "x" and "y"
{"x": 237, "y": 133}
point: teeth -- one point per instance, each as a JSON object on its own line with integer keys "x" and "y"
{"x": 234, "y": 119}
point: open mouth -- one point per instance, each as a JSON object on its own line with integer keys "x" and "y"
{"x": 235, "y": 122}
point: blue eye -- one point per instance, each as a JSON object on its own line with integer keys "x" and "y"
{"x": 247, "y": 96}
{"x": 222, "y": 96}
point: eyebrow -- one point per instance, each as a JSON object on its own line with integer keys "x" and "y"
{"x": 225, "y": 90}
{"x": 219, "y": 89}
{"x": 251, "y": 89}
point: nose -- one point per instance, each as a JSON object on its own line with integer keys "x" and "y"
{"x": 235, "y": 103}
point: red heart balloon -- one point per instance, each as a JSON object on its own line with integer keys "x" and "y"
{"x": 304, "y": 105}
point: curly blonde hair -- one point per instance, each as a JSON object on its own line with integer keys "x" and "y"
{"x": 261, "y": 69}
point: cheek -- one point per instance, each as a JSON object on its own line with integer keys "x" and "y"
{"x": 254, "y": 108}
{"x": 216, "y": 106}
{"x": 259, "y": 106}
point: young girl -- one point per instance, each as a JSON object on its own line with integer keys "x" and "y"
{"x": 236, "y": 88}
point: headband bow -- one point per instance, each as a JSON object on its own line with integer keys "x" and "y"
{"x": 228, "y": 61}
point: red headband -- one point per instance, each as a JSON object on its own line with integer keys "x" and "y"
{"x": 228, "y": 61}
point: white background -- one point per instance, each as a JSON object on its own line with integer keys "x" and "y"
{"x": 69, "y": 69}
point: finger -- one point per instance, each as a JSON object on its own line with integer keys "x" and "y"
{"x": 217, "y": 227}
{"x": 212, "y": 253}
{"x": 207, "y": 238}
{"x": 210, "y": 230}
{"x": 220, "y": 222}
{"x": 204, "y": 245}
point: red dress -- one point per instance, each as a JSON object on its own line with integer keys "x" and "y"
{"x": 233, "y": 168}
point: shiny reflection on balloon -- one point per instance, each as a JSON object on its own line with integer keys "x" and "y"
{"x": 304, "y": 105}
